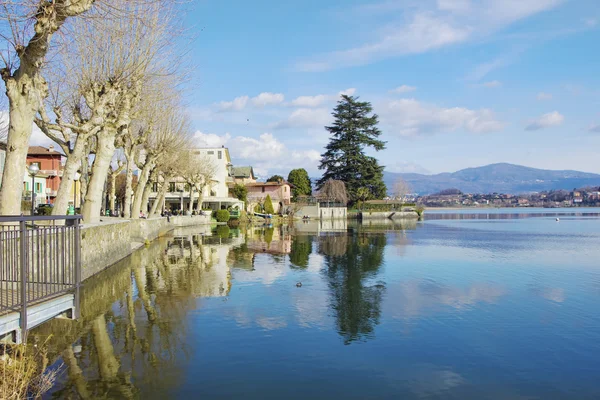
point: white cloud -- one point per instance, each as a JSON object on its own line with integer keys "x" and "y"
{"x": 492, "y": 84}
{"x": 590, "y": 22}
{"x": 594, "y": 128}
{"x": 403, "y": 89}
{"x": 266, "y": 154}
{"x": 545, "y": 121}
{"x": 406, "y": 167}
{"x": 309, "y": 101}
{"x": 239, "y": 103}
{"x": 267, "y": 98}
{"x": 418, "y": 28}
{"x": 347, "y": 92}
{"x": 544, "y": 96}
{"x": 409, "y": 117}
{"x": 210, "y": 139}
{"x": 262, "y": 100}
{"x": 305, "y": 118}
{"x": 422, "y": 34}
{"x": 454, "y": 5}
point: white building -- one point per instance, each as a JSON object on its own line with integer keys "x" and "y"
{"x": 215, "y": 195}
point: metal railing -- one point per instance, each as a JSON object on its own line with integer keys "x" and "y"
{"x": 40, "y": 258}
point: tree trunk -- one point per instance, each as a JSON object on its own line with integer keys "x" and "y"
{"x": 130, "y": 157}
{"x": 200, "y": 197}
{"x": 146, "y": 197}
{"x": 190, "y": 208}
{"x": 112, "y": 197}
{"x": 84, "y": 180}
{"x": 139, "y": 190}
{"x": 63, "y": 197}
{"x": 107, "y": 362}
{"x": 21, "y": 116}
{"x": 105, "y": 148}
{"x": 160, "y": 197}
{"x": 75, "y": 373}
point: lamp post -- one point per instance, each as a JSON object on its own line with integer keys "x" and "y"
{"x": 33, "y": 171}
{"x": 75, "y": 179}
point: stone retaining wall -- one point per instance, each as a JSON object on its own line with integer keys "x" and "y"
{"x": 389, "y": 215}
{"x": 106, "y": 243}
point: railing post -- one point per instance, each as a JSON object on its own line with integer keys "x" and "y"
{"x": 77, "y": 266}
{"x": 23, "y": 269}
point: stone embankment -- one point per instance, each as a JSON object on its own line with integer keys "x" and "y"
{"x": 105, "y": 243}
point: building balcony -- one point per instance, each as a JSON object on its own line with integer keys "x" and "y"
{"x": 51, "y": 172}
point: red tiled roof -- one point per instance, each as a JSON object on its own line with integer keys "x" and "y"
{"x": 42, "y": 151}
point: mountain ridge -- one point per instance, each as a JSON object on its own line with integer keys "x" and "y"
{"x": 498, "y": 177}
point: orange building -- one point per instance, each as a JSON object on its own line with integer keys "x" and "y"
{"x": 50, "y": 163}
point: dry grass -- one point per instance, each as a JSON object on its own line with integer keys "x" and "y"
{"x": 23, "y": 372}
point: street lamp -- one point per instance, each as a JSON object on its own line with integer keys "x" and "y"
{"x": 75, "y": 179}
{"x": 33, "y": 171}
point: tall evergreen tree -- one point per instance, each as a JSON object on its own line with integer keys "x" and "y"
{"x": 302, "y": 185}
{"x": 354, "y": 130}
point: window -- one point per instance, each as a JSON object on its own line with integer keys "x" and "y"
{"x": 38, "y": 187}
{"x": 263, "y": 189}
{"x": 171, "y": 186}
{"x": 26, "y": 186}
{"x": 285, "y": 189}
{"x": 155, "y": 187}
{"x": 210, "y": 153}
{"x": 219, "y": 154}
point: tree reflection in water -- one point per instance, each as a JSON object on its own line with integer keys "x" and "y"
{"x": 352, "y": 262}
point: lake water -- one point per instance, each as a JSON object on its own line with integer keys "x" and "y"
{"x": 501, "y": 304}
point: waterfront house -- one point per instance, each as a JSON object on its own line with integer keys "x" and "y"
{"x": 280, "y": 193}
{"x": 215, "y": 195}
{"x": 40, "y": 189}
{"x": 49, "y": 162}
{"x": 243, "y": 175}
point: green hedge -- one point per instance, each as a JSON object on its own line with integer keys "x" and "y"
{"x": 222, "y": 216}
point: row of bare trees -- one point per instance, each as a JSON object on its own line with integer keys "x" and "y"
{"x": 106, "y": 90}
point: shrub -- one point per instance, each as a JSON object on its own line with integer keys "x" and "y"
{"x": 258, "y": 208}
{"x": 223, "y": 231}
{"x": 222, "y": 216}
{"x": 269, "y": 205}
{"x": 269, "y": 235}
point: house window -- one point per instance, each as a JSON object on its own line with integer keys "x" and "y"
{"x": 26, "y": 186}
{"x": 263, "y": 189}
{"x": 210, "y": 153}
{"x": 219, "y": 154}
{"x": 285, "y": 189}
{"x": 155, "y": 187}
{"x": 171, "y": 186}
{"x": 38, "y": 187}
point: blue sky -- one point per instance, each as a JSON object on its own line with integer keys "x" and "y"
{"x": 457, "y": 83}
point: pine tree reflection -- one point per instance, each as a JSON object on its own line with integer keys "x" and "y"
{"x": 352, "y": 262}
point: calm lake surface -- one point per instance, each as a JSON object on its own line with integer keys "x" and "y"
{"x": 473, "y": 304}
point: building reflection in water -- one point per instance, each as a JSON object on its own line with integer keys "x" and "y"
{"x": 132, "y": 336}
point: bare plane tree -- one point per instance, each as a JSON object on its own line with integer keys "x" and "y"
{"x": 27, "y": 31}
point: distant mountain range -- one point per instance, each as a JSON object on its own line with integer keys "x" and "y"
{"x": 500, "y": 178}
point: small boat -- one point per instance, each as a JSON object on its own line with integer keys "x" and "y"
{"x": 263, "y": 215}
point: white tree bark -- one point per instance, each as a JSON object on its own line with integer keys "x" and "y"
{"x": 139, "y": 190}
{"x": 25, "y": 87}
{"x": 105, "y": 148}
